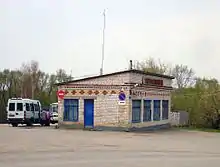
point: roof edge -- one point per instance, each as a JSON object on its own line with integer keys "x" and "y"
{"x": 115, "y": 73}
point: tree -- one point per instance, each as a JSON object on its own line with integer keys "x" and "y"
{"x": 151, "y": 65}
{"x": 29, "y": 82}
{"x": 184, "y": 76}
{"x": 62, "y": 76}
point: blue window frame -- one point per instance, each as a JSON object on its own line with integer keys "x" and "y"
{"x": 165, "y": 109}
{"x": 156, "y": 110}
{"x": 71, "y": 110}
{"x": 147, "y": 111}
{"x": 136, "y": 111}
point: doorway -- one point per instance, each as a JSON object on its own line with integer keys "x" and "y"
{"x": 88, "y": 113}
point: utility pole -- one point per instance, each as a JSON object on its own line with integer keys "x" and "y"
{"x": 103, "y": 45}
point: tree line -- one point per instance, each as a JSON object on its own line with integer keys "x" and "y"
{"x": 199, "y": 96}
{"x": 29, "y": 82}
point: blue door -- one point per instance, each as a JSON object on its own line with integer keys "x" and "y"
{"x": 88, "y": 113}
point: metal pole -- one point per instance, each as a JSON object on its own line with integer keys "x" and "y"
{"x": 103, "y": 45}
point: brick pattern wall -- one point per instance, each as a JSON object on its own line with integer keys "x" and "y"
{"x": 117, "y": 79}
{"x": 120, "y": 79}
{"x": 137, "y": 78}
{"x": 106, "y": 109}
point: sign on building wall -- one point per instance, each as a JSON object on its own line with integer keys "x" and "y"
{"x": 156, "y": 82}
{"x": 148, "y": 93}
{"x": 60, "y": 94}
{"x": 122, "y": 98}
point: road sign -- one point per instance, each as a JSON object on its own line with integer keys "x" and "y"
{"x": 60, "y": 94}
{"x": 121, "y": 98}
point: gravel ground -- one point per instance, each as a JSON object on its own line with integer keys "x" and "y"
{"x": 47, "y": 146}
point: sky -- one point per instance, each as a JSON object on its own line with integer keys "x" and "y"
{"x": 68, "y": 34}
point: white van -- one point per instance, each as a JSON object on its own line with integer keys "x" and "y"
{"x": 23, "y": 111}
{"x": 54, "y": 113}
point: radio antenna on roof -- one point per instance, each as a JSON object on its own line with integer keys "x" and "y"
{"x": 103, "y": 45}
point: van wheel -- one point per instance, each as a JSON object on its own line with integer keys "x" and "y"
{"x": 14, "y": 125}
{"x": 47, "y": 124}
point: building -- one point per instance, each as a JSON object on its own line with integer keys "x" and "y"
{"x": 124, "y": 100}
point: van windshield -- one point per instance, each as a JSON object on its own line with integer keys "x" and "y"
{"x": 11, "y": 106}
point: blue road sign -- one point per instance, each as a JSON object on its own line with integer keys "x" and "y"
{"x": 122, "y": 96}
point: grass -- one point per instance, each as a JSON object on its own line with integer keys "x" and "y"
{"x": 200, "y": 129}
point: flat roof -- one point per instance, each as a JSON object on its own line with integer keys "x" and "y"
{"x": 115, "y": 73}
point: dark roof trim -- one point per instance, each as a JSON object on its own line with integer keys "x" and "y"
{"x": 115, "y": 73}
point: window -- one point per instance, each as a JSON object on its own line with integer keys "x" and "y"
{"x": 36, "y": 107}
{"x": 27, "y": 106}
{"x": 19, "y": 106}
{"x": 147, "y": 110}
{"x": 165, "y": 109}
{"x": 32, "y": 106}
{"x": 11, "y": 106}
{"x": 71, "y": 110}
{"x": 55, "y": 108}
{"x": 156, "y": 110}
{"x": 136, "y": 111}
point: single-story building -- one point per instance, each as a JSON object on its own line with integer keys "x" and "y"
{"x": 124, "y": 100}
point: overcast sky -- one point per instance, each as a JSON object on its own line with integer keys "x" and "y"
{"x": 68, "y": 34}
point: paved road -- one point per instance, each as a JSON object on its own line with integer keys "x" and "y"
{"x": 48, "y": 147}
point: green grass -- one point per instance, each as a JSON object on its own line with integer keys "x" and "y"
{"x": 200, "y": 129}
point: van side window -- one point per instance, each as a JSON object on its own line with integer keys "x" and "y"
{"x": 11, "y": 106}
{"x": 36, "y": 108}
{"x": 32, "y": 106}
{"x": 27, "y": 106}
{"x": 19, "y": 106}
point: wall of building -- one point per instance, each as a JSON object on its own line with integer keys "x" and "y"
{"x": 118, "y": 79}
{"x": 137, "y": 78}
{"x": 107, "y": 111}
{"x": 146, "y": 94}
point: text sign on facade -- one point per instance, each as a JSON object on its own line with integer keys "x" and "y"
{"x": 147, "y": 93}
{"x": 157, "y": 82}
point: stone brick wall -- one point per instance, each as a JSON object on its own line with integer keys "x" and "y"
{"x": 137, "y": 78}
{"x": 107, "y": 111}
{"x": 118, "y": 79}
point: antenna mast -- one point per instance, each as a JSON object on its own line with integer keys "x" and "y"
{"x": 103, "y": 45}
